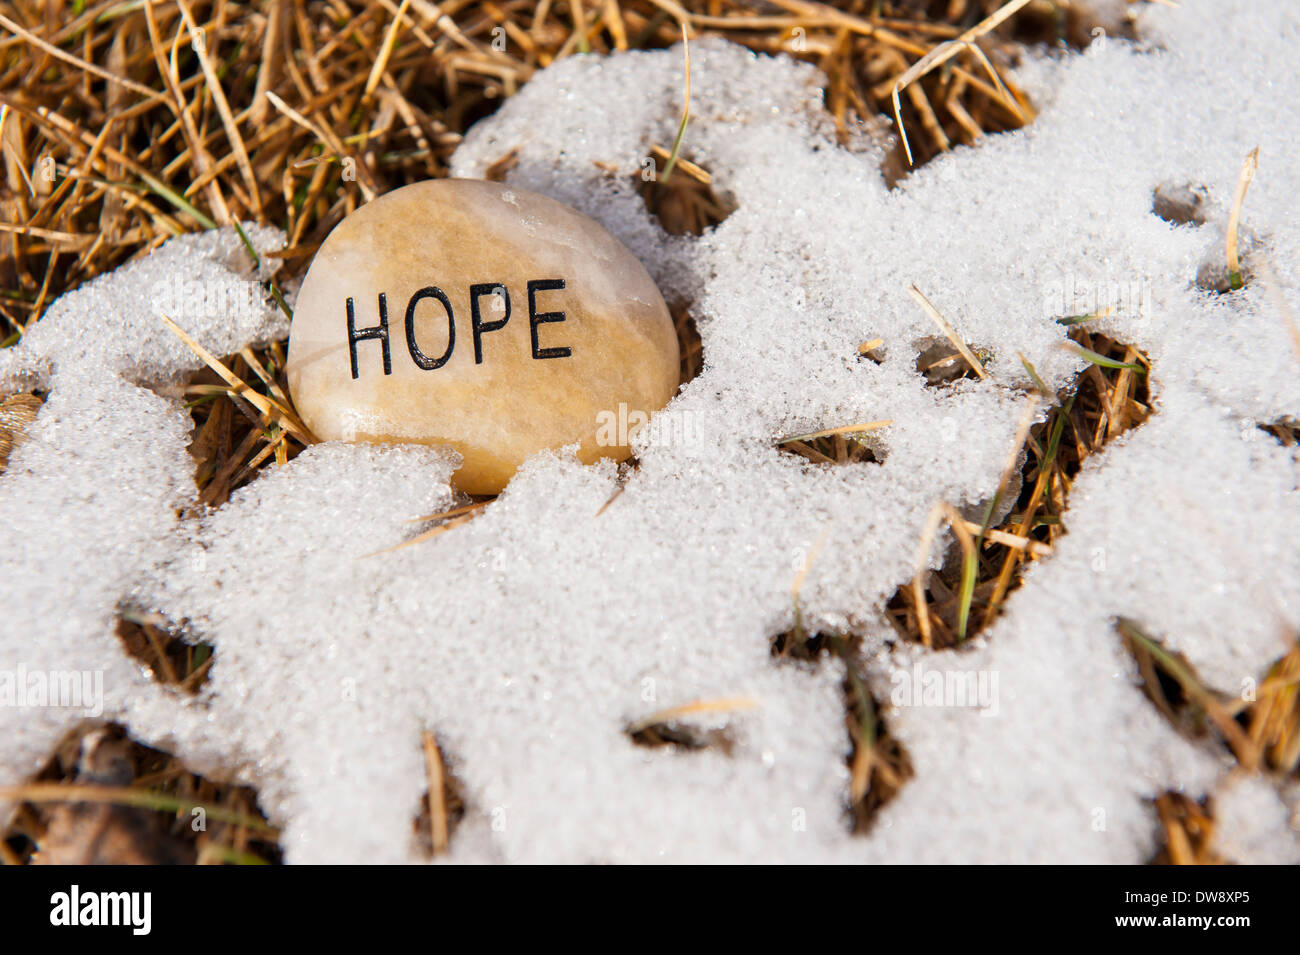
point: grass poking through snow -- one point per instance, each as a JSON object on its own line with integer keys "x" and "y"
{"x": 879, "y": 765}
{"x": 947, "y": 607}
{"x": 105, "y": 799}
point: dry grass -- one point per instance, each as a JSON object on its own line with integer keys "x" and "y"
{"x": 1286, "y": 431}
{"x": 160, "y": 649}
{"x": 834, "y": 449}
{"x": 1248, "y": 170}
{"x": 684, "y": 203}
{"x": 1259, "y": 726}
{"x": 879, "y": 765}
{"x": 1171, "y": 683}
{"x": 17, "y": 412}
{"x": 970, "y": 590}
{"x": 846, "y": 444}
{"x": 1186, "y": 831}
{"x": 963, "y": 350}
{"x": 105, "y": 799}
{"x": 1272, "y": 718}
{"x": 123, "y": 138}
{"x": 672, "y": 726}
{"x": 233, "y": 437}
{"x": 443, "y": 805}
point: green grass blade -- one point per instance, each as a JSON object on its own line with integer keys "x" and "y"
{"x": 1102, "y": 360}
{"x": 969, "y": 566}
{"x": 1033, "y": 376}
{"x": 177, "y": 200}
{"x": 257, "y": 263}
{"x": 686, "y": 112}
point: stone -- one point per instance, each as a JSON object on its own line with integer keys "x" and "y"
{"x": 482, "y": 317}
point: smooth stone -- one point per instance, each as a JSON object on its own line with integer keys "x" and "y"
{"x": 580, "y": 337}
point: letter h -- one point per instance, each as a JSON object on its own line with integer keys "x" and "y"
{"x": 379, "y": 331}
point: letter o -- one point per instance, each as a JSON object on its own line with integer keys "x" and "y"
{"x": 418, "y": 356}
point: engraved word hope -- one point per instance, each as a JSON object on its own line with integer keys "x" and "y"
{"x": 437, "y": 297}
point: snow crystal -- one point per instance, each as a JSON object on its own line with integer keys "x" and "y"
{"x": 528, "y": 639}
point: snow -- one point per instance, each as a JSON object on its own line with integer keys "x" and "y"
{"x": 1251, "y": 826}
{"x": 528, "y": 638}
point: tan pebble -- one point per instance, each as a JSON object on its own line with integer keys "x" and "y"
{"x": 579, "y": 339}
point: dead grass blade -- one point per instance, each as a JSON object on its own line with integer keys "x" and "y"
{"x": 725, "y": 705}
{"x": 843, "y": 429}
{"x": 223, "y": 108}
{"x": 269, "y": 407}
{"x": 946, "y": 51}
{"x": 1247, "y": 753}
{"x": 948, "y": 331}
{"x": 385, "y": 50}
{"x": 427, "y": 535}
{"x": 930, "y": 528}
{"x": 86, "y": 65}
{"x": 1248, "y": 170}
{"x": 437, "y": 789}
